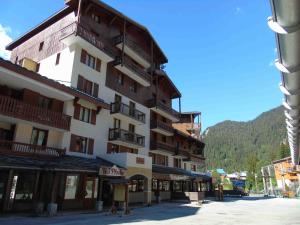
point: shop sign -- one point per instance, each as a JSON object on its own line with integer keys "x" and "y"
{"x": 111, "y": 171}
{"x": 178, "y": 177}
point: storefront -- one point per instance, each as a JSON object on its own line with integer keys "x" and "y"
{"x": 173, "y": 183}
{"x": 51, "y": 185}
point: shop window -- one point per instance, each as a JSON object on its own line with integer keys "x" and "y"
{"x": 91, "y": 188}
{"x": 177, "y": 186}
{"x": 23, "y": 185}
{"x": 154, "y": 184}
{"x": 71, "y": 186}
{"x": 136, "y": 186}
{"x": 39, "y": 137}
{"x": 165, "y": 185}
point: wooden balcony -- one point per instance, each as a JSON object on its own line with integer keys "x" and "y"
{"x": 156, "y": 146}
{"x": 22, "y": 149}
{"x": 126, "y": 138}
{"x": 161, "y": 127}
{"x": 133, "y": 49}
{"x": 132, "y": 70}
{"x": 69, "y": 33}
{"x": 129, "y": 113}
{"x": 163, "y": 110}
{"x": 20, "y": 110}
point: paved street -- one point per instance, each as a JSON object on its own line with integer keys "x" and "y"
{"x": 248, "y": 210}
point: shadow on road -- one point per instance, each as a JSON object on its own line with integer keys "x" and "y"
{"x": 163, "y": 211}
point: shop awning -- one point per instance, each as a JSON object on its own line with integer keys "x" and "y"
{"x": 64, "y": 163}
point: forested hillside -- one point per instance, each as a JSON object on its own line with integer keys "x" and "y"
{"x": 230, "y": 144}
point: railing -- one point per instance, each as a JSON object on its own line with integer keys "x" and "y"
{"x": 118, "y": 107}
{"x": 18, "y": 109}
{"x": 126, "y": 136}
{"x": 80, "y": 30}
{"x": 159, "y": 124}
{"x": 154, "y": 145}
{"x": 134, "y": 68}
{"x": 133, "y": 45}
{"x": 18, "y": 148}
{"x": 154, "y": 103}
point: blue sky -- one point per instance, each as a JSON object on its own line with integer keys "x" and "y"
{"x": 220, "y": 53}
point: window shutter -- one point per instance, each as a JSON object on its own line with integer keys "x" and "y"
{"x": 83, "y": 56}
{"x": 73, "y": 143}
{"x": 80, "y": 83}
{"x": 76, "y": 111}
{"x": 96, "y": 90}
{"x": 98, "y": 65}
{"x": 93, "y": 117}
{"x": 91, "y": 146}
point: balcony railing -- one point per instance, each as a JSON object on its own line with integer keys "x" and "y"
{"x": 155, "y": 145}
{"x": 159, "y": 124}
{"x": 154, "y": 103}
{"x": 118, "y": 107}
{"x": 133, "y": 45}
{"x": 117, "y": 134}
{"x": 22, "y": 149}
{"x": 198, "y": 151}
{"x": 133, "y": 67}
{"x": 80, "y": 30}
{"x": 18, "y": 109}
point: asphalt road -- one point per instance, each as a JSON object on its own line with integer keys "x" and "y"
{"x": 233, "y": 211}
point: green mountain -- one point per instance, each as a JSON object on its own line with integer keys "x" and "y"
{"x": 230, "y": 144}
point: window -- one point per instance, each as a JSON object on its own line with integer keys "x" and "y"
{"x": 85, "y": 85}
{"x": 90, "y": 60}
{"x": 133, "y": 87}
{"x": 131, "y": 128}
{"x": 95, "y": 18}
{"x": 118, "y": 98}
{"x": 16, "y": 60}
{"x": 23, "y": 184}
{"x": 85, "y": 114}
{"x": 120, "y": 78}
{"x": 194, "y": 168}
{"x": 136, "y": 186}
{"x": 177, "y": 186}
{"x": 131, "y": 108}
{"x": 177, "y": 163}
{"x": 44, "y": 102}
{"x": 165, "y": 185}
{"x": 57, "y": 58}
{"x": 39, "y": 137}
{"x": 112, "y": 148}
{"x": 164, "y": 119}
{"x": 81, "y": 144}
{"x": 117, "y": 123}
{"x": 71, "y": 186}
{"x": 41, "y": 46}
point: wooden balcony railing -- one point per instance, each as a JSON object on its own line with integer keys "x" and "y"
{"x": 117, "y": 134}
{"x": 18, "y": 109}
{"x": 118, "y": 107}
{"x": 133, "y": 45}
{"x": 80, "y": 30}
{"x": 155, "y": 145}
{"x": 133, "y": 67}
{"x": 159, "y": 124}
{"x": 154, "y": 103}
{"x": 18, "y": 148}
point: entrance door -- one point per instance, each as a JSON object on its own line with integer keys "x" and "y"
{"x": 91, "y": 191}
{"x": 107, "y": 194}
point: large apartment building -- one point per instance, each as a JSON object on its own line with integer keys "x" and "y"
{"x": 85, "y": 109}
